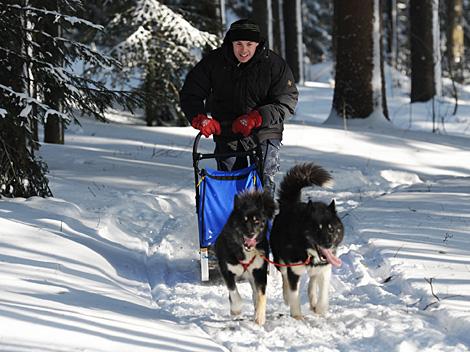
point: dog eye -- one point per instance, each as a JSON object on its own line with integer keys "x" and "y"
{"x": 330, "y": 227}
{"x": 320, "y": 226}
{"x": 245, "y": 218}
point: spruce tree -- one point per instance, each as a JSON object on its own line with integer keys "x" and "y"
{"x": 160, "y": 42}
{"x": 35, "y": 63}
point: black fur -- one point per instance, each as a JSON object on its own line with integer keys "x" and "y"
{"x": 302, "y": 229}
{"x": 300, "y": 176}
{"x": 242, "y": 239}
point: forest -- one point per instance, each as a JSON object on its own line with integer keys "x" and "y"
{"x": 63, "y": 59}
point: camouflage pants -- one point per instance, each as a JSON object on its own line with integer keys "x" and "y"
{"x": 269, "y": 160}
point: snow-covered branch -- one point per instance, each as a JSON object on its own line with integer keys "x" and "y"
{"x": 27, "y": 101}
{"x": 72, "y": 20}
{"x": 156, "y": 24}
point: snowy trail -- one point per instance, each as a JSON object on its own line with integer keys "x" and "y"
{"x": 158, "y": 222}
{"x": 128, "y": 208}
{"x": 66, "y": 288}
{"x": 365, "y": 314}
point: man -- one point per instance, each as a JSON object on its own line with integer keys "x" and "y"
{"x": 249, "y": 90}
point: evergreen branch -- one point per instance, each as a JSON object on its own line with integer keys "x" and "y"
{"x": 27, "y": 100}
{"x": 10, "y": 160}
{"x": 73, "y": 20}
{"x": 74, "y": 50}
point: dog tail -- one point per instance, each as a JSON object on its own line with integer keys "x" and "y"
{"x": 299, "y": 176}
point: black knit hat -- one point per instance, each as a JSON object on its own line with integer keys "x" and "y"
{"x": 244, "y": 29}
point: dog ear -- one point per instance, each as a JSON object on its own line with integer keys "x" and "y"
{"x": 332, "y": 206}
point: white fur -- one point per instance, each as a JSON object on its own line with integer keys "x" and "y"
{"x": 238, "y": 269}
{"x": 318, "y": 289}
{"x": 259, "y": 299}
{"x": 235, "y": 302}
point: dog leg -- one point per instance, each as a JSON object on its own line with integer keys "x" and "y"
{"x": 293, "y": 297}
{"x": 258, "y": 283}
{"x": 285, "y": 288}
{"x": 312, "y": 292}
{"x": 235, "y": 302}
{"x": 324, "y": 287}
{"x": 254, "y": 291}
{"x": 260, "y": 308}
{"x": 233, "y": 294}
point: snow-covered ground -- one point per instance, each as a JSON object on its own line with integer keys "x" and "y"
{"x": 111, "y": 262}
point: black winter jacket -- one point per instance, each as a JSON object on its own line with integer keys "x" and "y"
{"x": 226, "y": 89}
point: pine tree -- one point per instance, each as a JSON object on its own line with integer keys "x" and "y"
{"x": 206, "y": 15}
{"x": 35, "y": 64}
{"x": 317, "y": 29}
{"x": 164, "y": 43}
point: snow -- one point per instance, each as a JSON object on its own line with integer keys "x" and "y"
{"x": 111, "y": 262}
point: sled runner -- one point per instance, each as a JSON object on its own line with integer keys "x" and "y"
{"x": 215, "y": 192}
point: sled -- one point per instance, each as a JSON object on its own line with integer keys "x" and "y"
{"x": 215, "y": 192}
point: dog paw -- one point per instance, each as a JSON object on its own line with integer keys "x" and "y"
{"x": 260, "y": 320}
{"x": 235, "y": 311}
{"x": 320, "y": 309}
{"x": 298, "y": 317}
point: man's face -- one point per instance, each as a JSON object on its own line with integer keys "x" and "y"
{"x": 244, "y": 50}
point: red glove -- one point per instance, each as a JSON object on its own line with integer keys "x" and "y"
{"x": 245, "y": 123}
{"x": 206, "y": 125}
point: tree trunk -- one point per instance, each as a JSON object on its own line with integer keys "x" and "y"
{"x": 262, "y": 12}
{"x": 54, "y": 125}
{"x": 422, "y": 50}
{"x": 390, "y": 29}
{"x": 278, "y": 45}
{"x": 382, "y": 68}
{"x": 455, "y": 38}
{"x": 54, "y": 129}
{"x": 293, "y": 36}
{"x": 359, "y": 89}
{"x": 215, "y": 9}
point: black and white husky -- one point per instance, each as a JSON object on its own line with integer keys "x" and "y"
{"x": 242, "y": 246}
{"x": 304, "y": 238}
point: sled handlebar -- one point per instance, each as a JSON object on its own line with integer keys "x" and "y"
{"x": 200, "y": 156}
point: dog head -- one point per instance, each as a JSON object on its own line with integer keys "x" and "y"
{"x": 252, "y": 210}
{"x": 325, "y": 231}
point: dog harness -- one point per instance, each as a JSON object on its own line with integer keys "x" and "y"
{"x": 306, "y": 262}
{"x": 246, "y": 265}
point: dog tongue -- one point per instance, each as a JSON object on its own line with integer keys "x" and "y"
{"x": 250, "y": 242}
{"x": 330, "y": 257}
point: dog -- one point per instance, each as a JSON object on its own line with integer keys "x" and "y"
{"x": 304, "y": 238}
{"x": 242, "y": 246}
